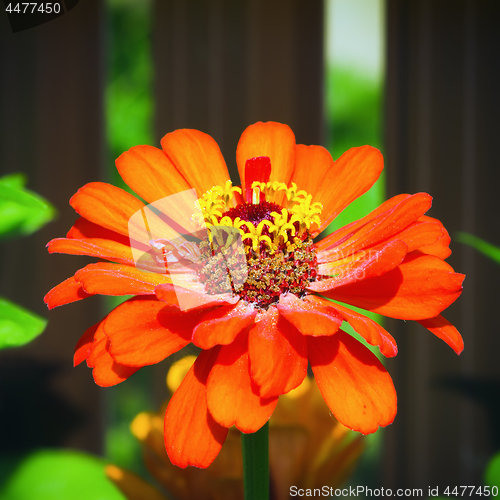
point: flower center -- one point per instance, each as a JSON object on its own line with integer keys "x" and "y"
{"x": 277, "y": 245}
{"x": 253, "y": 213}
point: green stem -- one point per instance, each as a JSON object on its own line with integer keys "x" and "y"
{"x": 255, "y": 449}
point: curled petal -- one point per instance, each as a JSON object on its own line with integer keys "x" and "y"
{"x": 278, "y": 354}
{"x": 310, "y": 316}
{"x": 371, "y": 331}
{"x": 342, "y": 234}
{"x": 66, "y": 292}
{"x": 443, "y": 329}
{"x": 441, "y": 246}
{"x": 232, "y": 396}
{"x": 106, "y": 371}
{"x": 356, "y": 387}
{"x": 192, "y": 436}
{"x": 117, "y": 279}
{"x": 82, "y": 348}
{"x": 380, "y": 228}
{"x": 104, "y": 249}
{"x": 420, "y": 287}
{"x": 222, "y": 325}
{"x": 427, "y": 235}
{"x": 194, "y": 297}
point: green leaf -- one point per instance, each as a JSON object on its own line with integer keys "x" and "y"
{"x": 480, "y": 245}
{"x": 17, "y": 325}
{"x": 60, "y": 475}
{"x": 17, "y": 180}
{"x": 22, "y": 212}
{"x": 492, "y": 474}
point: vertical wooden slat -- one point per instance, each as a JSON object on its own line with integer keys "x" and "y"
{"x": 52, "y": 129}
{"x": 440, "y": 137}
{"x": 222, "y": 65}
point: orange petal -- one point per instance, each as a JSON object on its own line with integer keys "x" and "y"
{"x": 166, "y": 293}
{"x": 356, "y": 387}
{"x": 309, "y": 316}
{"x": 271, "y": 139}
{"x": 150, "y": 173}
{"x": 222, "y": 325}
{"x": 420, "y": 287}
{"x": 443, "y": 329}
{"x": 232, "y": 396}
{"x": 192, "y": 436}
{"x": 82, "y": 348}
{"x": 360, "y": 266}
{"x": 441, "y": 246}
{"x": 278, "y": 354}
{"x": 426, "y": 232}
{"x": 66, "y": 292}
{"x": 371, "y": 331}
{"x": 145, "y": 332}
{"x": 106, "y": 205}
{"x": 311, "y": 165}
{"x": 440, "y": 249}
{"x": 106, "y": 371}
{"x": 83, "y": 229}
{"x": 104, "y": 249}
{"x": 117, "y": 279}
{"x": 352, "y": 175}
{"x": 197, "y": 157}
{"x": 194, "y": 298}
{"x": 337, "y": 237}
{"x": 381, "y": 228}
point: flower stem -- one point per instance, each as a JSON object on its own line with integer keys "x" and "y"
{"x": 255, "y": 449}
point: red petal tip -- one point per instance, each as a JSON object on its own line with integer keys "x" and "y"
{"x": 256, "y": 169}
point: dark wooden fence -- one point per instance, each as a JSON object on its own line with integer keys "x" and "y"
{"x": 51, "y": 128}
{"x": 442, "y": 105}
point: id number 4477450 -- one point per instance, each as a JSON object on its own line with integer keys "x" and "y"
{"x": 33, "y": 7}
{"x": 470, "y": 491}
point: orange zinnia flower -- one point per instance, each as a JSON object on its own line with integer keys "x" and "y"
{"x": 257, "y": 341}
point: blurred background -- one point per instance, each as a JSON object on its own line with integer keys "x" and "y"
{"x": 418, "y": 79}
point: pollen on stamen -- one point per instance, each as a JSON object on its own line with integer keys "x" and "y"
{"x": 277, "y": 242}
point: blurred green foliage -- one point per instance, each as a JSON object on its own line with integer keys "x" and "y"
{"x": 59, "y": 475}
{"x": 480, "y": 245}
{"x": 492, "y": 474}
{"x": 129, "y": 87}
{"x": 22, "y": 212}
{"x": 354, "y": 114}
{"x": 124, "y": 402}
{"x": 18, "y": 326}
